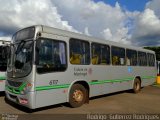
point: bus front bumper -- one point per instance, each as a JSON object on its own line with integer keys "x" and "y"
{"x": 26, "y": 100}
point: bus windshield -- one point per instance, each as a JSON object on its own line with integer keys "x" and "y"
{"x": 20, "y": 59}
{"x": 3, "y": 57}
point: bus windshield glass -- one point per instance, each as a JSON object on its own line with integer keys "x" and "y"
{"x": 27, "y": 33}
{"x": 3, "y": 57}
{"x": 20, "y": 57}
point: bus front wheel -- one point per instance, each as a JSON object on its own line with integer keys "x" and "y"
{"x": 78, "y": 95}
{"x": 137, "y": 85}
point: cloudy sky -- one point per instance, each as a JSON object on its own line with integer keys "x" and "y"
{"x": 135, "y": 22}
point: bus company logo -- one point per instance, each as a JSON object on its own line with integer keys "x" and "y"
{"x": 80, "y": 71}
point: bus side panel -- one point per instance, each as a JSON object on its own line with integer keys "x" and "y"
{"x": 95, "y": 90}
{"x": 147, "y": 74}
{"x": 110, "y": 79}
{"x": 2, "y": 85}
{"x": 2, "y": 81}
{"x": 98, "y": 74}
{"x": 118, "y": 79}
{"x": 117, "y": 86}
{"x": 51, "y": 89}
{"x": 50, "y": 97}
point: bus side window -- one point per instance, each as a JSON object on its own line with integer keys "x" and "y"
{"x": 118, "y": 55}
{"x": 95, "y": 59}
{"x": 75, "y": 59}
{"x": 131, "y": 57}
{"x": 56, "y": 55}
{"x": 151, "y": 59}
{"x": 51, "y": 56}
{"x": 128, "y": 61}
{"x": 115, "y": 60}
{"x": 142, "y": 58}
{"x": 79, "y": 52}
{"x": 3, "y": 58}
{"x": 100, "y": 54}
{"x": 122, "y": 61}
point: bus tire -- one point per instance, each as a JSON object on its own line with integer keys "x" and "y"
{"x": 77, "y": 96}
{"x": 137, "y": 86}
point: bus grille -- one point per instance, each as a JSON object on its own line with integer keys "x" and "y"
{"x": 14, "y": 83}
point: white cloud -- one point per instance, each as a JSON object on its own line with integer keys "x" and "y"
{"x": 107, "y": 34}
{"x": 121, "y": 35}
{"x": 154, "y": 5}
{"x": 147, "y": 27}
{"x": 84, "y": 16}
{"x": 100, "y": 19}
{"x": 16, "y": 14}
{"x": 86, "y": 31}
{"x": 148, "y": 23}
{"x": 7, "y": 38}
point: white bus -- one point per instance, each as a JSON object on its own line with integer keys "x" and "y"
{"x": 49, "y": 66}
{"x": 4, "y": 47}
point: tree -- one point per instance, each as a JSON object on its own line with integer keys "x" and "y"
{"x": 156, "y": 50}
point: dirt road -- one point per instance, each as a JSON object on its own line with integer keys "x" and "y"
{"x": 147, "y": 101}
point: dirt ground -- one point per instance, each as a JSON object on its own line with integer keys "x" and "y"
{"x": 145, "y": 102}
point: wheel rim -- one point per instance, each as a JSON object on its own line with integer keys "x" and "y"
{"x": 137, "y": 86}
{"x": 78, "y": 96}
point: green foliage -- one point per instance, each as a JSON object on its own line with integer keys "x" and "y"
{"x": 156, "y": 50}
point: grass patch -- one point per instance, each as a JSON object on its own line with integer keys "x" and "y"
{"x": 156, "y": 85}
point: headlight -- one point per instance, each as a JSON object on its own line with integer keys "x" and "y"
{"x": 26, "y": 88}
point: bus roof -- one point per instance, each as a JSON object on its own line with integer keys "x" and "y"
{"x": 60, "y": 32}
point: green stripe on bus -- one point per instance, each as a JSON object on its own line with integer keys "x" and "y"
{"x": 2, "y": 77}
{"x": 16, "y": 90}
{"x": 148, "y": 77}
{"x": 110, "y": 81}
{"x": 52, "y": 87}
{"x": 118, "y": 80}
{"x": 91, "y": 83}
{"x": 22, "y": 86}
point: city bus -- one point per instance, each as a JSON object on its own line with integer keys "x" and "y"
{"x": 4, "y": 47}
{"x": 49, "y": 66}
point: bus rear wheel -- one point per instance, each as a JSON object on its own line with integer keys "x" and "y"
{"x": 78, "y": 95}
{"x": 137, "y": 85}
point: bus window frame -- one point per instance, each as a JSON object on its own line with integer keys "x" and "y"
{"x": 124, "y": 56}
{"x": 37, "y": 53}
{"x": 101, "y": 44}
{"x": 136, "y": 57}
{"x": 4, "y": 48}
{"x": 152, "y": 61}
{"x": 144, "y": 59}
{"x": 80, "y": 40}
